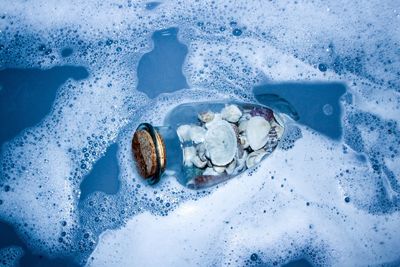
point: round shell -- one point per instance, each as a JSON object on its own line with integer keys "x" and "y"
{"x": 254, "y": 158}
{"x": 231, "y": 113}
{"x": 257, "y": 132}
{"x": 221, "y": 143}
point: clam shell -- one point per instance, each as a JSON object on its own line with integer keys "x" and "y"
{"x": 254, "y": 158}
{"x": 231, "y": 113}
{"x": 257, "y": 132}
{"x": 221, "y": 143}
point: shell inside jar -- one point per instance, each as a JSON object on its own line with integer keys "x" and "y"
{"x": 223, "y": 144}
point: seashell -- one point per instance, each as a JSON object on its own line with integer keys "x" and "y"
{"x": 188, "y": 155}
{"x": 183, "y": 132}
{"x": 255, "y": 157}
{"x": 231, "y": 167}
{"x": 278, "y": 129}
{"x": 257, "y": 132}
{"x": 191, "y": 133}
{"x": 201, "y": 151}
{"x": 243, "y": 125}
{"x": 221, "y": 143}
{"x": 198, "y": 162}
{"x": 206, "y": 116}
{"x": 231, "y": 113}
{"x": 219, "y": 169}
{"x": 241, "y": 163}
{"x": 264, "y": 112}
{"x": 217, "y": 118}
{"x": 210, "y": 171}
{"x": 243, "y": 141}
{"x": 197, "y": 134}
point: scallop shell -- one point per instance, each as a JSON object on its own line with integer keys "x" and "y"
{"x": 257, "y": 132}
{"x": 221, "y": 143}
{"x": 254, "y": 158}
{"x": 231, "y": 113}
{"x": 206, "y": 116}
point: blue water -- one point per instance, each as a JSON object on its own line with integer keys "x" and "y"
{"x": 27, "y": 96}
{"x": 330, "y": 102}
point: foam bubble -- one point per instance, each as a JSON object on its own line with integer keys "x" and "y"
{"x": 332, "y": 202}
{"x": 9, "y": 256}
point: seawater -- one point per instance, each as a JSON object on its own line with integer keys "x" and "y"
{"x": 77, "y": 78}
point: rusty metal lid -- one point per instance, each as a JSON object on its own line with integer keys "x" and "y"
{"x": 149, "y": 152}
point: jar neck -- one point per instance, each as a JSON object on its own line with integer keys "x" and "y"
{"x": 172, "y": 148}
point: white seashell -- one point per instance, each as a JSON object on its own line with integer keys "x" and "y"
{"x": 255, "y": 157}
{"x": 243, "y": 141}
{"x": 188, "y": 155}
{"x": 231, "y": 113}
{"x": 257, "y": 132}
{"x": 231, "y": 167}
{"x": 278, "y": 129}
{"x": 219, "y": 169}
{"x": 243, "y": 126}
{"x": 197, "y": 134}
{"x": 183, "y": 132}
{"x": 217, "y": 118}
{"x": 241, "y": 163}
{"x": 210, "y": 171}
{"x": 201, "y": 151}
{"x": 206, "y": 116}
{"x": 221, "y": 143}
{"x": 198, "y": 162}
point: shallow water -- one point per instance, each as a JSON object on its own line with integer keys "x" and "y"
{"x": 77, "y": 78}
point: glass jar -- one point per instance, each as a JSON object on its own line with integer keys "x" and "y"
{"x": 206, "y": 143}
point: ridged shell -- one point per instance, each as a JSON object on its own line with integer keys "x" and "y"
{"x": 221, "y": 143}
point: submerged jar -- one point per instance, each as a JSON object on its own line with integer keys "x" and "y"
{"x": 206, "y": 143}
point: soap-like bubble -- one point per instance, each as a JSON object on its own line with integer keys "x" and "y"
{"x": 332, "y": 203}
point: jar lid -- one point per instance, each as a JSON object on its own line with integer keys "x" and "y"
{"x": 149, "y": 152}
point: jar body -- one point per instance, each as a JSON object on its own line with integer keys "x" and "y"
{"x": 207, "y": 143}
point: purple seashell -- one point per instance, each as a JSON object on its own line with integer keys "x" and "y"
{"x": 266, "y": 113}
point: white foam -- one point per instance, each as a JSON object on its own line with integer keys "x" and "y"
{"x": 9, "y": 256}
{"x": 283, "y": 41}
